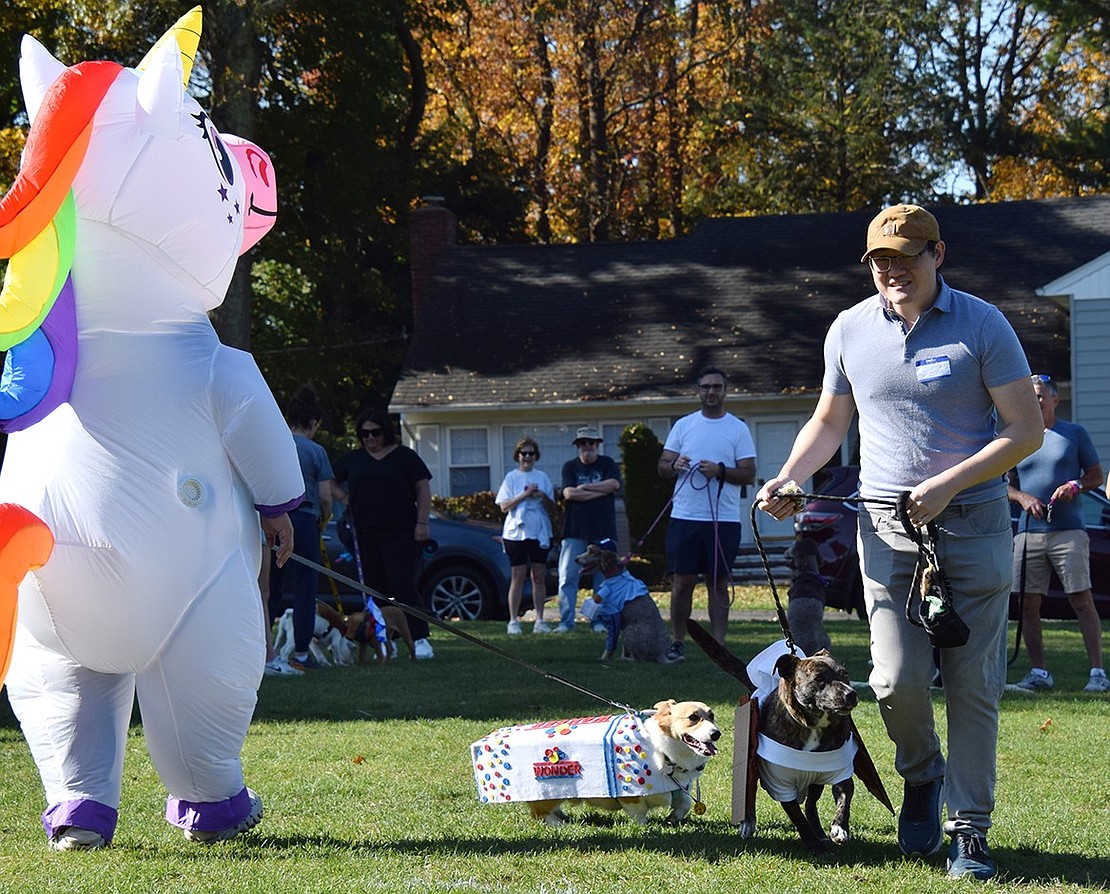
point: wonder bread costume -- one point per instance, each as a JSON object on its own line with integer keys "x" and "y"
{"x": 607, "y": 756}
{"x": 146, "y": 446}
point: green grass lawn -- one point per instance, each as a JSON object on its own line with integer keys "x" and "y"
{"x": 367, "y": 782}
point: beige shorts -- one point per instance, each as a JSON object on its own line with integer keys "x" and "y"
{"x": 1065, "y": 552}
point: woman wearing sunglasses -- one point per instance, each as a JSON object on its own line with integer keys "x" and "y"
{"x": 389, "y": 499}
{"x": 525, "y": 496}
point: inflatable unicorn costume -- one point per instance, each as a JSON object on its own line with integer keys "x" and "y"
{"x": 146, "y": 446}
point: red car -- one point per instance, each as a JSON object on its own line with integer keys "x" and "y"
{"x": 832, "y": 525}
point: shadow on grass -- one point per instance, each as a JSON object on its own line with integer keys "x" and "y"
{"x": 712, "y": 842}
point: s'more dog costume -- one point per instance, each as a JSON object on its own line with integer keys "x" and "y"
{"x": 787, "y": 773}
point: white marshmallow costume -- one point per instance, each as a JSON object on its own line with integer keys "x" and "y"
{"x": 152, "y": 470}
{"x": 787, "y": 773}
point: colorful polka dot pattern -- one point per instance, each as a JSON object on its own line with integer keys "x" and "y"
{"x": 491, "y": 768}
{"x": 603, "y": 756}
{"x": 631, "y": 767}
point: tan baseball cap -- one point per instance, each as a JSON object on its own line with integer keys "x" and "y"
{"x": 902, "y": 228}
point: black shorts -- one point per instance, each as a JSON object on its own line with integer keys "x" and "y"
{"x": 692, "y": 547}
{"x": 525, "y": 552}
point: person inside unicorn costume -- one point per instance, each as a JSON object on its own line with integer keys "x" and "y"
{"x": 147, "y": 447}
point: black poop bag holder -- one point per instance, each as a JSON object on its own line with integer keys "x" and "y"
{"x": 929, "y": 602}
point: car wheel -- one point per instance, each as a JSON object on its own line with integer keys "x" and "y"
{"x": 458, "y": 591}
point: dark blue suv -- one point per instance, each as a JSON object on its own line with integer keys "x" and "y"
{"x": 465, "y": 578}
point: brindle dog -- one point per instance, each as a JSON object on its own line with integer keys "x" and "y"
{"x": 809, "y": 711}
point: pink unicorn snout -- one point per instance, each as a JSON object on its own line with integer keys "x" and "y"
{"x": 261, "y": 188}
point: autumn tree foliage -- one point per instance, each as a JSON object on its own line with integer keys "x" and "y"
{"x": 587, "y": 120}
{"x": 630, "y": 118}
{"x": 591, "y": 102}
{"x": 1014, "y": 79}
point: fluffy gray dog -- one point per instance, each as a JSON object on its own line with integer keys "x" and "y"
{"x": 643, "y": 636}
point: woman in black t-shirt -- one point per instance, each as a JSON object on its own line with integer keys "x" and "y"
{"x": 389, "y": 500}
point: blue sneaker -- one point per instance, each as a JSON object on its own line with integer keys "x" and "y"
{"x": 969, "y": 857}
{"x": 920, "y": 833}
{"x": 303, "y": 664}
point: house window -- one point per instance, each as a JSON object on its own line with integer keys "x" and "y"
{"x": 469, "y": 461}
{"x": 611, "y": 445}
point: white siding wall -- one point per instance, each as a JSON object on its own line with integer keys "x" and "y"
{"x": 1090, "y": 322}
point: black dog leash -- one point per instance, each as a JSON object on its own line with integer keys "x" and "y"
{"x": 780, "y": 612}
{"x": 432, "y": 619}
{"x": 936, "y": 612}
{"x": 800, "y": 498}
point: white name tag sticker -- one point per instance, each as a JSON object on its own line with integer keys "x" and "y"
{"x": 932, "y": 368}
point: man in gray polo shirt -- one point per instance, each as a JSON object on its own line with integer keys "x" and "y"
{"x": 946, "y": 408}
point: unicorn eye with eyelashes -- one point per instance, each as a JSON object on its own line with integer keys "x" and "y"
{"x": 219, "y": 151}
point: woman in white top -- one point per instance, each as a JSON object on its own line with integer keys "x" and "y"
{"x": 525, "y": 496}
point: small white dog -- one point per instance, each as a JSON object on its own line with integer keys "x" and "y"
{"x": 328, "y": 646}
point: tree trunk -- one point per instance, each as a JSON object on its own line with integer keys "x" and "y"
{"x": 543, "y": 135}
{"x": 231, "y": 43}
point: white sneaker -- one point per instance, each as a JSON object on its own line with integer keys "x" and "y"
{"x": 514, "y": 628}
{"x": 1034, "y": 682}
{"x": 564, "y": 628}
{"x": 279, "y": 667}
{"x": 74, "y": 838}
{"x": 542, "y": 627}
{"x": 1099, "y": 682}
{"x": 423, "y": 649}
{"x": 251, "y": 820}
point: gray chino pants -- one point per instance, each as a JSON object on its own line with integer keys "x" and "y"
{"x": 976, "y": 553}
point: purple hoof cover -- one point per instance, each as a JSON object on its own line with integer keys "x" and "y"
{"x": 85, "y": 814}
{"x": 208, "y": 816}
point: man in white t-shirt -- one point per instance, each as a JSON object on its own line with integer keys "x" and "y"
{"x": 710, "y": 453}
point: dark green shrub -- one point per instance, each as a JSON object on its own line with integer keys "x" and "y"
{"x": 480, "y": 506}
{"x": 645, "y": 495}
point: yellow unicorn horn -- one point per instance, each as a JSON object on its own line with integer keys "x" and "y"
{"x": 186, "y": 31}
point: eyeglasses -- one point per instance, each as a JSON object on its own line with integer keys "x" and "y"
{"x": 1042, "y": 378}
{"x": 711, "y": 387}
{"x": 527, "y": 453}
{"x": 882, "y": 264}
{"x": 370, "y": 433}
{"x": 587, "y": 443}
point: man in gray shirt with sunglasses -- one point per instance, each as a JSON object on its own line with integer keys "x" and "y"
{"x": 946, "y": 408}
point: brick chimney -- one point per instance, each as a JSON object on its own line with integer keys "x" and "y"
{"x": 432, "y": 228}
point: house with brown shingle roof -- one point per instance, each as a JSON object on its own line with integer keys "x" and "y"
{"x": 540, "y": 339}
